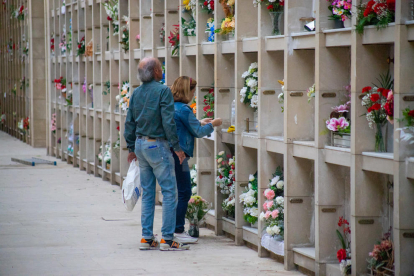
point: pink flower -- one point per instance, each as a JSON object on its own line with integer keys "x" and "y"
{"x": 267, "y": 215}
{"x": 334, "y": 123}
{"x": 265, "y": 206}
{"x": 390, "y": 95}
{"x": 341, "y": 108}
{"x": 58, "y": 86}
{"x": 191, "y": 201}
{"x": 269, "y": 194}
{"x": 275, "y": 213}
{"x": 269, "y": 204}
{"x": 138, "y": 37}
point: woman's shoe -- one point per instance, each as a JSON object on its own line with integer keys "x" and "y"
{"x": 184, "y": 237}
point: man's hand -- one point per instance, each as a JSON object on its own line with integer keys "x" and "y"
{"x": 181, "y": 156}
{"x": 205, "y": 121}
{"x": 217, "y": 122}
{"x": 131, "y": 157}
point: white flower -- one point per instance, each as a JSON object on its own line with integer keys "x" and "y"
{"x": 280, "y": 184}
{"x": 245, "y": 74}
{"x": 254, "y": 212}
{"x": 255, "y": 101}
{"x": 276, "y": 230}
{"x": 262, "y": 216}
{"x": 269, "y": 230}
{"x": 193, "y": 173}
{"x": 252, "y": 83}
{"x": 274, "y": 180}
{"x": 221, "y": 153}
{"x": 219, "y": 160}
{"x": 253, "y": 66}
{"x": 251, "y": 177}
{"x": 194, "y": 190}
{"x": 243, "y": 92}
{"x": 280, "y": 200}
{"x": 255, "y": 74}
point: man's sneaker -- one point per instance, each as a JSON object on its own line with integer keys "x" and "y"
{"x": 184, "y": 237}
{"x": 170, "y": 245}
{"x": 149, "y": 244}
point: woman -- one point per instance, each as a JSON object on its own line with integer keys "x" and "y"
{"x": 188, "y": 127}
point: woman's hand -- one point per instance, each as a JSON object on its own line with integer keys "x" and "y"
{"x": 217, "y": 122}
{"x": 205, "y": 121}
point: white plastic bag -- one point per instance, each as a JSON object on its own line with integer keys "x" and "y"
{"x": 131, "y": 188}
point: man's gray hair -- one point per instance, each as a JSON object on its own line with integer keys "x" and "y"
{"x": 146, "y": 70}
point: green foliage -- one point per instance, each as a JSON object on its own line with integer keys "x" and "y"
{"x": 385, "y": 81}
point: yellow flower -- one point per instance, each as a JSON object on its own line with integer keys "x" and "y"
{"x": 281, "y": 82}
{"x": 230, "y": 2}
{"x": 231, "y": 129}
{"x": 186, "y": 2}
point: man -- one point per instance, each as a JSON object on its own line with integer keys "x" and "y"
{"x": 149, "y": 128}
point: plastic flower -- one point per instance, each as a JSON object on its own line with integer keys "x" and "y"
{"x": 333, "y": 124}
{"x": 341, "y": 254}
{"x": 269, "y": 194}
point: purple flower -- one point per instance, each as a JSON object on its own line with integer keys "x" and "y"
{"x": 334, "y": 123}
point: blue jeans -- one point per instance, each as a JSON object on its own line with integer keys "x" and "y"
{"x": 156, "y": 162}
{"x": 182, "y": 173}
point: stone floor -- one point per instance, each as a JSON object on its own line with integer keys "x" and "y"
{"x": 57, "y": 220}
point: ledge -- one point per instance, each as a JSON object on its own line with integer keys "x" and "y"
{"x": 116, "y": 55}
{"x": 410, "y": 30}
{"x": 338, "y": 156}
{"x": 250, "y": 235}
{"x": 410, "y": 167}
{"x": 378, "y": 162}
{"x": 137, "y": 53}
{"x": 212, "y": 137}
{"x": 250, "y": 140}
{"x": 338, "y": 37}
{"x": 304, "y": 257}
{"x": 250, "y": 44}
{"x": 229, "y": 226}
{"x": 228, "y": 47}
{"x": 275, "y": 144}
{"x": 275, "y": 43}
{"x": 190, "y": 49}
{"x": 160, "y": 52}
{"x": 207, "y": 48}
{"x": 303, "y": 40}
{"x": 304, "y": 149}
{"x": 373, "y": 36}
{"x": 226, "y": 137}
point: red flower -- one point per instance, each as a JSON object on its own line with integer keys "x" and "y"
{"x": 380, "y": 7}
{"x": 376, "y": 107}
{"x": 14, "y": 46}
{"x": 79, "y": 46}
{"x": 52, "y": 47}
{"x": 347, "y": 230}
{"x": 282, "y": 3}
{"x": 385, "y": 93}
{"x": 230, "y": 172}
{"x": 210, "y": 114}
{"x": 109, "y": 18}
{"x": 389, "y": 108}
{"x": 223, "y": 163}
{"x": 117, "y": 128}
{"x": 368, "y": 8}
{"x": 375, "y": 97}
{"x": 206, "y": 108}
{"x": 391, "y": 5}
{"x": 52, "y": 40}
{"x": 341, "y": 254}
{"x": 205, "y": 3}
{"x": 228, "y": 155}
{"x": 220, "y": 176}
{"x": 22, "y": 7}
{"x": 411, "y": 113}
{"x": 233, "y": 167}
{"x": 270, "y": 7}
{"x": 366, "y": 89}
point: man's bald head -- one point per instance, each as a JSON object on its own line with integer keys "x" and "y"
{"x": 149, "y": 69}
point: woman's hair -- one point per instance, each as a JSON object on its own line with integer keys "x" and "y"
{"x": 181, "y": 89}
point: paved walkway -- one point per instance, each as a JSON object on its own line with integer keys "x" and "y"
{"x": 61, "y": 221}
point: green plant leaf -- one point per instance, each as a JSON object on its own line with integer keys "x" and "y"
{"x": 341, "y": 239}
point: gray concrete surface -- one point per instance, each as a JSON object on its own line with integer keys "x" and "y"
{"x": 61, "y": 221}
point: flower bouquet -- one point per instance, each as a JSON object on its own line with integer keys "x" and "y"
{"x": 190, "y": 5}
{"x": 273, "y": 208}
{"x": 207, "y": 6}
{"x": 123, "y": 99}
{"x": 375, "y": 12}
{"x": 275, "y": 8}
{"x": 52, "y": 44}
{"x": 162, "y": 33}
{"x": 374, "y": 101}
{"x": 249, "y": 200}
{"x": 249, "y": 92}
{"x": 210, "y": 30}
{"x": 19, "y": 13}
{"x": 174, "y": 40}
{"x": 111, "y": 8}
{"x": 281, "y": 96}
{"x": 196, "y": 210}
{"x": 225, "y": 181}
{"x": 339, "y": 126}
{"x": 26, "y": 123}
{"x": 107, "y": 155}
{"x": 68, "y": 44}
{"x": 311, "y": 93}
{"x": 382, "y": 257}
{"x": 344, "y": 254}
{"x": 193, "y": 176}
{"x": 53, "y": 123}
{"x": 193, "y": 105}
{"x": 189, "y": 29}
{"x": 228, "y": 24}
{"x": 209, "y": 104}
{"x": 107, "y": 88}
{"x": 125, "y": 35}
{"x": 341, "y": 11}
{"x": 81, "y": 47}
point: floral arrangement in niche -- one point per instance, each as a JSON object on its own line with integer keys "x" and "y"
{"x": 111, "y": 8}
{"x": 69, "y": 37}
{"x": 407, "y": 132}
{"x": 375, "y": 12}
{"x": 338, "y": 122}
{"x": 52, "y": 43}
{"x": 123, "y": 99}
{"x": 228, "y": 24}
{"x": 3, "y": 118}
{"x": 81, "y": 47}
{"x": 381, "y": 261}
{"x": 196, "y": 210}
{"x": 374, "y": 101}
{"x": 190, "y": 5}
{"x": 19, "y": 13}
{"x": 125, "y": 34}
{"x": 272, "y": 5}
{"x": 53, "y": 123}
{"x": 249, "y": 92}
{"x": 174, "y": 40}
{"x": 138, "y": 39}
{"x": 193, "y": 176}
{"x": 249, "y": 200}
{"x": 311, "y": 93}
{"x": 189, "y": 27}
{"x": 69, "y": 97}
{"x": 209, "y": 104}
{"x": 20, "y": 126}
{"x": 281, "y": 95}
{"x": 24, "y": 83}
{"x": 62, "y": 44}
{"x": 60, "y": 84}
{"x": 273, "y": 207}
{"x": 344, "y": 254}
{"x": 162, "y": 33}
{"x": 107, "y": 88}
{"x": 89, "y": 49}
{"x": 25, "y": 51}
{"x": 210, "y": 30}
{"x": 26, "y": 123}
{"x": 14, "y": 89}
{"x": 207, "y": 6}
{"x": 117, "y": 144}
{"x": 341, "y": 9}
{"x": 193, "y": 105}
{"x": 225, "y": 180}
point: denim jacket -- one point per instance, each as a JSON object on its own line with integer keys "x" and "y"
{"x": 189, "y": 127}
{"x": 151, "y": 113}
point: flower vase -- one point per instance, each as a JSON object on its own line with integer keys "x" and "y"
{"x": 194, "y": 230}
{"x": 192, "y": 39}
{"x": 108, "y": 166}
{"x": 379, "y": 138}
{"x": 338, "y": 24}
{"x": 277, "y": 22}
{"x": 230, "y": 36}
